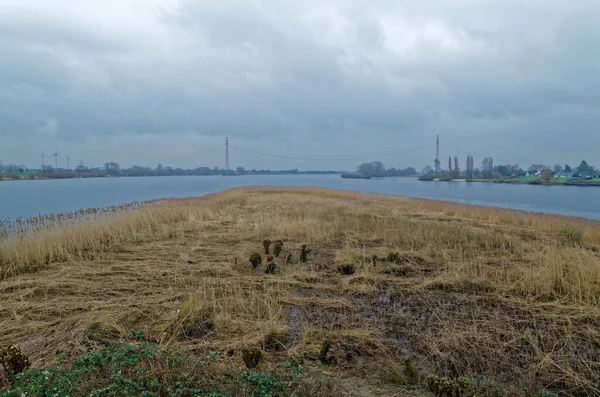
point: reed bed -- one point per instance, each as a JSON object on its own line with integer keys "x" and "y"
{"x": 404, "y": 291}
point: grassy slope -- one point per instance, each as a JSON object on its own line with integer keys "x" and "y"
{"x": 507, "y": 299}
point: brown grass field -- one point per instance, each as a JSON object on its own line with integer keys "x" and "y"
{"x": 506, "y": 299}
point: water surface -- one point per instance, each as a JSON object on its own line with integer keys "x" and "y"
{"x": 28, "y": 198}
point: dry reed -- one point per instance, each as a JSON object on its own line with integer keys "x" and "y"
{"x": 467, "y": 290}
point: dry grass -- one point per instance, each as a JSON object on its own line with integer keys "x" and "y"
{"x": 472, "y": 290}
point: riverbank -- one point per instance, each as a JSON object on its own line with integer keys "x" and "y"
{"x": 554, "y": 182}
{"x": 390, "y": 296}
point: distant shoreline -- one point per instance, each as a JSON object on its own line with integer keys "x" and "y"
{"x": 577, "y": 182}
{"x": 275, "y": 173}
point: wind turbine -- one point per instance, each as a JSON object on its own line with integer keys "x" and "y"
{"x": 68, "y": 159}
{"x": 56, "y": 156}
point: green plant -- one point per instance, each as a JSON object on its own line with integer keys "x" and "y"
{"x": 324, "y": 357}
{"x": 271, "y": 267}
{"x": 289, "y": 259}
{"x": 571, "y": 234}
{"x": 251, "y": 356}
{"x": 267, "y": 245}
{"x": 278, "y": 248}
{"x": 255, "y": 260}
{"x": 346, "y": 270}
{"x": 145, "y": 370}
{"x": 445, "y": 387}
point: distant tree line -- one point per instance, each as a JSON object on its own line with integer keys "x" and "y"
{"x": 114, "y": 169}
{"x": 490, "y": 171}
{"x": 377, "y": 169}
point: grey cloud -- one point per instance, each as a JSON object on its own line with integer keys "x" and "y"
{"x": 504, "y": 78}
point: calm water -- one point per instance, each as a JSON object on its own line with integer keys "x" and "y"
{"x": 27, "y": 198}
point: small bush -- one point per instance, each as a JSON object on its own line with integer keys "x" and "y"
{"x": 13, "y": 360}
{"x": 278, "y": 248}
{"x": 271, "y": 267}
{"x": 445, "y": 387}
{"x": 251, "y": 356}
{"x": 346, "y": 270}
{"x": 571, "y": 234}
{"x": 304, "y": 253}
{"x": 255, "y": 260}
{"x": 289, "y": 259}
{"x": 193, "y": 321}
{"x": 267, "y": 245}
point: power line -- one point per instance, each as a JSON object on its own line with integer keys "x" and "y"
{"x": 325, "y": 157}
{"x": 364, "y": 156}
{"x": 181, "y": 158}
{"x": 485, "y": 155}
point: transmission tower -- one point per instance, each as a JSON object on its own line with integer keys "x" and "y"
{"x": 437, "y": 155}
{"x": 43, "y": 157}
{"x": 227, "y": 153}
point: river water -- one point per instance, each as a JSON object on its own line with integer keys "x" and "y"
{"x": 28, "y": 198}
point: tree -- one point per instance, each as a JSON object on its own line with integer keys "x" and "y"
{"x": 428, "y": 170}
{"x": 567, "y": 168}
{"x": 584, "y": 170}
{"x": 159, "y": 169}
{"x": 240, "y": 170}
{"x": 450, "y": 166}
{"x": 80, "y": 169}
{"x": 456, "y": 169}
{"x": 547, "y": 174}
{"x": 487, "y": 166}
{"x": 469, "y": 169}
{"x": 374, "y": 168}
{"x": 557, "y": 168}
{"x": 112, "y": 168}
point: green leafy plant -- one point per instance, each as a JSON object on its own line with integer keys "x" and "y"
{"x": 271, "y": 266}
{"x": 255, "y": 260}
{"x": 445, "y": 387}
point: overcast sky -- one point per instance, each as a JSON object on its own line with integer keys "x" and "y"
{"x": 149, "y": 81}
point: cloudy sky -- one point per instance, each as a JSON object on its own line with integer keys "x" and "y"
{"x": 149, "y": 81}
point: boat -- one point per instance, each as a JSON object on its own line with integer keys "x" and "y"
{"x": 356, "y": 176}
